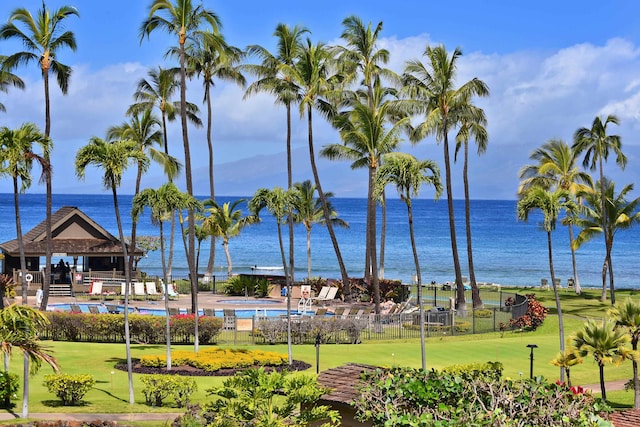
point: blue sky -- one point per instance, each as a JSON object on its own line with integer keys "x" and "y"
{"x": 551, "y": 68}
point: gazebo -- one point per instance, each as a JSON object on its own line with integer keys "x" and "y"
{"x": 75, "y": 236}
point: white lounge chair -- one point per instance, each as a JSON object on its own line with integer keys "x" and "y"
{"x": 330, "y": 295}
{"x": 95, "y": 290}
{"x": 169, "y": 291}
{"x": 123, "y": 287}
{"x": 152, "y": 292}
{"x": 323, "y": 293}
{"x": 138, "y": 291}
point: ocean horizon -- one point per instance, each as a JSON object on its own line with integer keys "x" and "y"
{"x": 506, "y": 251}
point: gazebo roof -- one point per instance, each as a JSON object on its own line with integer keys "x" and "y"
{"x": 73, "y": 233}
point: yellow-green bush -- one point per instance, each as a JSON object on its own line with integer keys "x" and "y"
{"x": 69, "y": 388}
{"x": 214, "y": 359}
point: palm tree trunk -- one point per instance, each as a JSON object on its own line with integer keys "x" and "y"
{"x": 25, "y": 386}
{"x": 372, "y": 224}
{"x": 193, "y": 274}
{"x": 308, "y": 253}
{"x": 49, "y": 196}
{"x": 610, "y": 264}
{"x": 346, "y": 286}
{"x": 288, "y": 284}
{"x": 603, "y": 296}
{"x": 576, "y": 282}
{"x": 636, "y": 381}
{"x": 605, "y": 232}
{"x": 212, "y": 188}
{"x": 557, "y": 297}
{"x": 225, "y": 245}
{"x": 165, "y": 295}
{"x": 475, "y": 292}
{"x": 289, "y": 186}
{"x": 603, "y": 391}
{"x": 23, "y": 260}
{"x": 172, "y": 237}
{"x": 127, "y": 280}
{"x": 419, "y": 281}
{"x": 460, "y": 299}
{"x": 383, "y": 234}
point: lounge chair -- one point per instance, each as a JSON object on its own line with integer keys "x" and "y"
{"x": 93, "y": 309}
{"x": 209, "y": 312}
{"x": 138, "y": 291}
{"x": 229, "y": 318}
{"x": 170, "y": 290}
{"x": 95, "y": 290}
{"x": 341, "y": 312}
{"x": 174, "y": 311}
{"x": 330, "y": 295}
{"x": 152, "y": 292}
{"x": 75, "y": 308}
{"x": 323, "y": 293}
{"x": 123, "y": 287}
{"x": 321, "y": 311}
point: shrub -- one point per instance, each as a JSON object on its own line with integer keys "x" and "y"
{"x": 533, "y": 318}
{"x": 484, "y": 313}
{"x": 158, "y": 387}
{"x": 69, "y": 388}
{"x": 214, "y": 359}
{"x": 8, "y": 388}
{"x": 238, "y": 285}
{"x": 330, "y": 329}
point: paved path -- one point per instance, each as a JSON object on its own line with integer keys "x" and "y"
{"x": 162, "y": 417}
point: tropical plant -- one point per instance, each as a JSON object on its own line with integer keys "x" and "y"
{"x": 273, "y": 75}
{"x": 596, "y": 144}
{"x": 44, "y": 37}
{"x": 471, "y": 127}
{"x": 432, "y": 91}
{"x": 314, "y": 79}
{"x": 212, "y": 58}
{"x": 162, "y": 203}
{"x": 549, "y": 203}
{"x": 308, "y": 211}
{"x": 367, "y": 136}
{"x": 556, "y": 168}
{"x": 619, "y": 214}
{"x": 114, "y": 158}
{"x": 8, "y": 79}
{"x": 605, "y": 343}
{"x": 225, "y": 222}
{"x": 565, "y": 360}
{"x": 19, "y": 328}
{"x": 16, "y": 161}
{"x": 408, "y": 174}
{"x": 275, "y": 399}
{"x": 627, "y": 316}
{"x": 185, "y": 21}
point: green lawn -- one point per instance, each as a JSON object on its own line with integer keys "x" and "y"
{"x": 110, "y": 394}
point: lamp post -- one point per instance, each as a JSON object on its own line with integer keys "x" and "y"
{"x": 531, "y": 346}
{"x": 318, "y": 353}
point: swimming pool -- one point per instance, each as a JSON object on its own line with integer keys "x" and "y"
{"x": 109, "y": 308}
{"x": 247, "y": 301}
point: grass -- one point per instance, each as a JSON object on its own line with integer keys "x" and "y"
{"x": 110, "y": 394}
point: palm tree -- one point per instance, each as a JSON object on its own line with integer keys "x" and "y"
{"x": 308, "y": 211}
{"x": 433, "y": 93}
{"x": 213, "y": 59}
{"x": 556, "y": 168}
{"x": 19, "y": 327}
{"x": 366, "y": 137}
{"x": 225, "y": 222}
{"x": 313, "y": 76}
{"x": 182, "y": 19}
{"x": 550, "y": 203}
{"x": 114, "y": 158}
{"x": 44, "y": 38}
{"x": 627, "y": 316}
{"x": 471, "y": 128}
{"x": 16, "y": 161}
{"x": 273, "y": 77}
{"x": 597, "y": 144}
{"x": 279, "y": 202}
{"x": 157, "y": 93}
{"x": 408, "y": 174}
{"x": 163, "y": 202}
{"x": 606, "y": 343}
{"x": 8, "y": 79}
{"x": 566, "y": 360}
{"x": 620, "y": 214}
{"x": 361, "y": 57}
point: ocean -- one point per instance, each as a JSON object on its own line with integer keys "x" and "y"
{"x": 506, "y": 251}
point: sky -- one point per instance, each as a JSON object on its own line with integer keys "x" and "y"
{"x": 551, "y": 67}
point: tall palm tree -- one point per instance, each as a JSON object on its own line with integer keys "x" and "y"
{"x": 313, "y": 75}
{"x": 8, "y": 79}
{"x": 16, "y": 161}
{"x": 549, "y": 203}
{"x": 433, "y": 93}
{"x": 162, "y": 203}
{"x": 114, "y": 158}
{"x": 620, "y": 214}
{"x": 185, "y": 21}
{"x": 366, "y": 136}
{"x": 555, "y": 167}
{"x": 471, "y": 127}
{"x": 226, "y": 222}
{"x": 408, "y": 174}
{"x": 279, "y": 202}
{"x": 627, "y": 316}
{"x": 214, "y": 59}
{"x": 606, "y": 343}
{"x": 361, "y": 58}
{"x": 308, "y": 211}
{"x": 19, "y": 328}
{"x": 597, "y": 144}
{"x": 44, "y": 37}
{"x": 157, "y": 92}
{"x": 272, "y": 76}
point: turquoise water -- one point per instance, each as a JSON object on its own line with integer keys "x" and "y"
{"x": 506, "y": 251}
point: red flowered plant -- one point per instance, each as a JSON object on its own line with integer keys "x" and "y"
{"x": 533, "y": 318}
